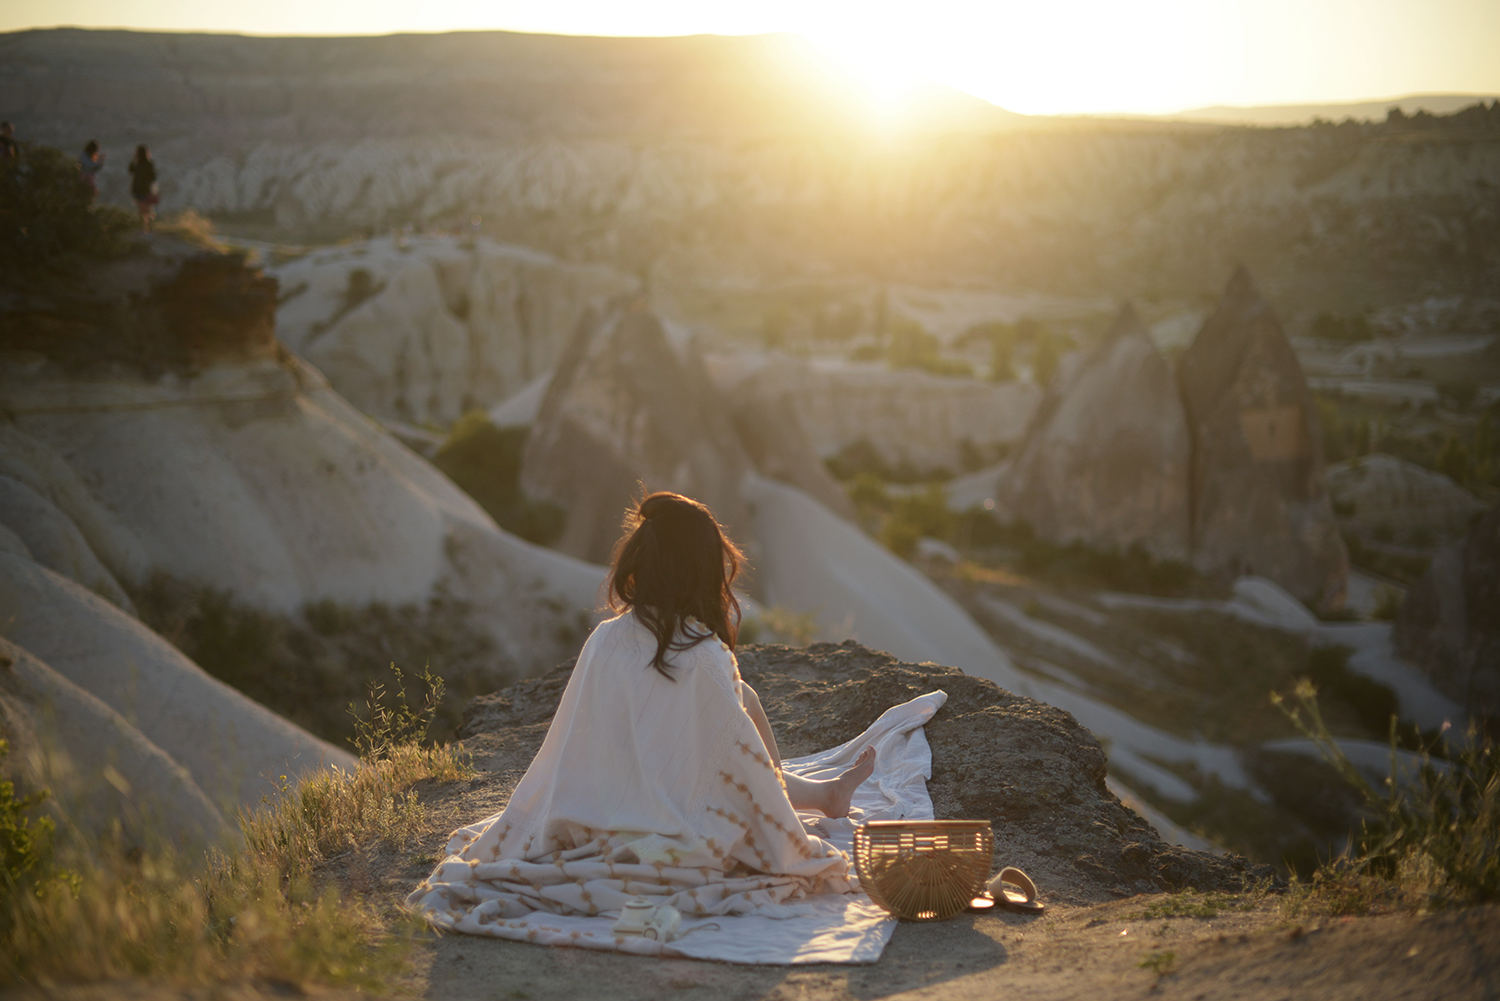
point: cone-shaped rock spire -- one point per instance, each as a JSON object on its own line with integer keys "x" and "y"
{"x": 629, "y": 407}
{"x": 1105, "y": 461}
{"x": 1259, "y": 495}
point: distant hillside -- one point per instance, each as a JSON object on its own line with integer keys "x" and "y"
{"x": 708, "y": 160}
{"x": 1305, "y": 114}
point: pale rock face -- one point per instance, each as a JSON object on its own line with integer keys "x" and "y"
{"x": 425, "y": 328}
{"x": 909, "y": 416}
{"x": 1259, "y": 491}
{"x": 1382, "y": 490}
{"x": 813, "y": 561}
{"x": 31, "y": 462}
{"x": 629, "y": 406}
{"x": 259, "y": 479}
{"x": 1106, "y": 459}
{"x": 63, "y": 739}
{"x": 233, "y": 748}
{"x": 51, "y": 539}
{"x": 771, "y": 433}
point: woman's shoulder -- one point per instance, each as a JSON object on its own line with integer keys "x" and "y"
{"x": 626, "y": 630}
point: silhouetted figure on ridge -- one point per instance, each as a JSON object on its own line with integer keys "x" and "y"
{"x": 143, "y": 184}
{"x": 89, "y": 165}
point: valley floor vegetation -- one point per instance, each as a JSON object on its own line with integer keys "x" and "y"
{"x": 276, "y": 907}
{"x": 309, "y": 666}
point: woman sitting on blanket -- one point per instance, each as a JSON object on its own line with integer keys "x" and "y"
{"x": 659, "y": 775}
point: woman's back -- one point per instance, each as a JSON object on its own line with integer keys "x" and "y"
{"x": 628, "y": 746}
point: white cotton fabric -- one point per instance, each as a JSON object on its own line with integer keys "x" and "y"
{"x": 646, "y": 786}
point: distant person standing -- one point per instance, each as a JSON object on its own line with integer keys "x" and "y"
{"x": 143, "y": 184}
{"x": 89, "y": 165}
{"x": 8, "y": 148}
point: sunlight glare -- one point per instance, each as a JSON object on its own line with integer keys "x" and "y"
{"x": 885, "y": 72}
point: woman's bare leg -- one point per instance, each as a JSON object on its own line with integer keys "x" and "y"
{"x": 830, "y": 797}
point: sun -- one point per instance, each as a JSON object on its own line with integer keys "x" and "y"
{"x": 884, "y": 76}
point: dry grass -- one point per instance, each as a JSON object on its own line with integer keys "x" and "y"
{"x": 335, "y": 810}
{"x": 1430, "y": 833}
{"x": 191, "y": 227}
{"x": 265, "y": 910}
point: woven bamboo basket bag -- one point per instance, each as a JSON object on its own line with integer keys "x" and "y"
{"x": 923, "y": 870}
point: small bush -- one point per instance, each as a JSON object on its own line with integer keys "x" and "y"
{"x": 862, "y": 458}
{"x": 1430, "y": 836}
{"x": 310, "y": 667}
{"x": 192, "y": 227}
{"x": 47, "y": 217}
{"x": 1074, "y": 563}
{"x": 916, "y": 515}
{"x": 780, "y": 625}
{"x": 485, "y": 462}
{"x": 1387, "y": 603}
{"x": 910, "y": 346}
{"x": 1330, "y": 327}
{"x": 26, "y": 849}
{"x": 1374, "y": 704}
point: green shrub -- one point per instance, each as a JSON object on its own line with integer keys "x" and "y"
{"x": 861, "y": 457}
{"x": 26, "y": 850}
{"x": 910, "y": 346}
{"x": 1073, "y": 563}
{"x": 47, "y": 217}
{"x": 1342, "y": 328}
{"x": 1374, "y": 704}
{"x": 485, "y": 462}
{"x": 309, "y": 667}
{"x": 1387, "y": 603}
{"x": 1432, "y": 834}
{"x": 389, "y": 720}
{"x": 916, "y": 515}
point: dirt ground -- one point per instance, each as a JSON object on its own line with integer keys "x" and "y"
{"x": 1107, "y": 950}
{"x": 1102, "y": 951}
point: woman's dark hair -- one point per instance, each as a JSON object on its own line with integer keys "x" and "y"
{"x": 142, "y": 152}
{"x": 675, "y": 562}
{"x": 91, "y": 148}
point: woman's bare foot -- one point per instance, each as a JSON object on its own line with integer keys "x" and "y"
{"x": 839, "y": 792}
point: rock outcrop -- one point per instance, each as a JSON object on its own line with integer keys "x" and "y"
{"x": 1257, "y": 486}
{"x": 910, "y": 418}
{"x": 97, "y": 767}
{"x": 1030, "y": 769}
{"x": 1381, "y": 492}
{"x": 165, "y": 434}
{"x": 1106, "y": 459}
{"x": 773, "y": 436}
{"x": 232, "y": 748}
{"x": 632, "y": 405}
{"x": 422, "y": 329}
{"x": 1449, "y": 623}
{"x": 217, "y": 458}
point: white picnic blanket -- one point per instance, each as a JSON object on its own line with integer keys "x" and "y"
{"x": 661, "y": 788}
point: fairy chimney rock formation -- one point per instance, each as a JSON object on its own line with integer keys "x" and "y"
{"x": 1105, "y": 461}
{"x": 1258, "y": 490}
{"x": 630, "y": 406}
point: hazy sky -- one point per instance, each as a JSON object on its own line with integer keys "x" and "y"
{"x": 1041, "y": 56}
